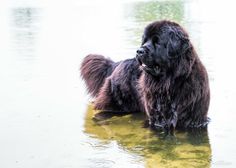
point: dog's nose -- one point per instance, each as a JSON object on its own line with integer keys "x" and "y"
{"x": 141, "y": 51}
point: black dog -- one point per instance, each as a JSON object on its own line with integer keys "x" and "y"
{"x": 166, "y": 80}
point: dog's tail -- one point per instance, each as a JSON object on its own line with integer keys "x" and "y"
{"x": 94, "y": 69}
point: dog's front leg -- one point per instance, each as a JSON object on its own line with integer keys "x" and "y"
{"x": 172, "y": 118}
{"x": 157, "y": 117}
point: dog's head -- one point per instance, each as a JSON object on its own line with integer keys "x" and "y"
{"x": 164, "y": 47}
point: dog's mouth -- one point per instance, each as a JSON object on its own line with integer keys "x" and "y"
{"x": 153, "y": 70}
{"x": 143, "y": 65}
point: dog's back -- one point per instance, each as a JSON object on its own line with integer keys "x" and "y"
{"x": 113, "y": 84}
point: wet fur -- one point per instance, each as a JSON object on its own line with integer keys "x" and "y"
{"x": 115, "y": 86}
{"x": 178, "y": 97}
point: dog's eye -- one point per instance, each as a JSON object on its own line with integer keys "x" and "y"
{"x": 155, "y": 39}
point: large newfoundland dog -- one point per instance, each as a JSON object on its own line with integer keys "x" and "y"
{"x": 166, "y": 80}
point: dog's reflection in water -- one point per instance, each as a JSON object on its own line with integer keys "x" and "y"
{"x": 185, "y": 149}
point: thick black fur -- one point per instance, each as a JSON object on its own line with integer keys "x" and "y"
{"x": 166, "y": 80}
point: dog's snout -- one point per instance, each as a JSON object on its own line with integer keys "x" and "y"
{"x": 141, "y": 55}
{"x": 141, "y": 51}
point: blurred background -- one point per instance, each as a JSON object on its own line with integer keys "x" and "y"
{"x": 45, "y": 115}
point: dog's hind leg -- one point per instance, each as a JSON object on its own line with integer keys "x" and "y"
{"x": 106, "y": 99}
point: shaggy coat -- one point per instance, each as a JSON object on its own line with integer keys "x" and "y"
{"x": 166, "y": 80}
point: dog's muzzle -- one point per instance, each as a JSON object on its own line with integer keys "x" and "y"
{"x": 140, "y": 54}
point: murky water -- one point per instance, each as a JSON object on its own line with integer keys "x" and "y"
{"x": 45, "y": 116}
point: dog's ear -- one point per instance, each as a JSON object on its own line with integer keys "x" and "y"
{"x": 177, "y": 44}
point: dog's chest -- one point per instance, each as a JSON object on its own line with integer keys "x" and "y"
{"x": 156, "y": 101}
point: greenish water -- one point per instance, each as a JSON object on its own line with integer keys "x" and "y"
{"x": 186, "y": 149}
{"x": 45, "y": 115}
